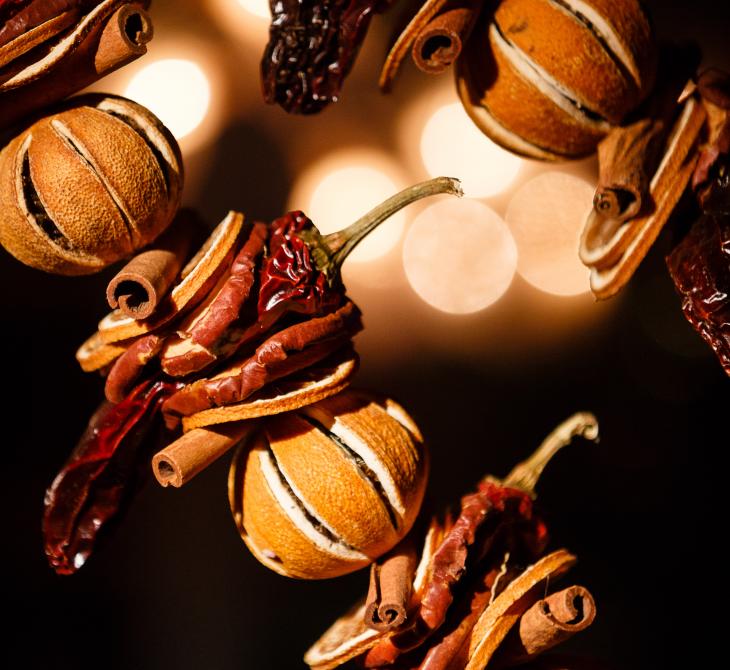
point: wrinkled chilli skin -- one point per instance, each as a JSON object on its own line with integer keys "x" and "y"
{"x": 100, "y": 476}
{"x": 312, "y": 47}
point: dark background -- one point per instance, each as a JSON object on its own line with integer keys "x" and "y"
{"x": 175, "y": 587}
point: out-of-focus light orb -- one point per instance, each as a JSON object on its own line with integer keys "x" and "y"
{"x": 259, "y": 8}
{"x": 176, "y": 90}
{"x": 546, "y": 217}
{"x": 459, "y": 256}
{"x": 452, "y": 145}
{"x": 341, "y": 188}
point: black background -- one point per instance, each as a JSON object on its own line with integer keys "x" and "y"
{"x": 174, "y": 587}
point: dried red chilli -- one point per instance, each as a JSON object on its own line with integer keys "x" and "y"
{"x": 493, "y": 520}
{"x": 100, "y": 476}
{"x": 302, "y": 273}
{"x": 290, "y": 279}
{"x": 300, "y": 259}
{"x": 312, "y": 47}
{"x": 700, "y": 264}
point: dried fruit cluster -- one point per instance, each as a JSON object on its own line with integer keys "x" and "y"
{"x": 478, "y": 593}
{"x": 256, "y": 323}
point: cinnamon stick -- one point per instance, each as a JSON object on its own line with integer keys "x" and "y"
{"x": 391, "y": 584}
{"x": 140, "y": 285}
{"x": 629, "y": 155}
{"x": 180, "y": 461}
{"x": 439, "y": 44}
{"x": 547, "y": 623}
{"x": 112, "y": 34}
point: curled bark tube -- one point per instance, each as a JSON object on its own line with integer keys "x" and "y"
{"x": 180, "y": 461}
{"x": 391, "y": 583}
{"x": 112, "y": 34}
{"x": 138, "y": 287}
{"x": 123, "y": 39}
{"x": 630, "y": 154}
{"x": 548, "y": 623}
{"x": 439, "y": 44}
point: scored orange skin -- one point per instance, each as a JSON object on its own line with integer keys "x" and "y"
{"x": 264, "y": 521}
{"x": 396, "y": 442}
{"x": 570, "y": 53}
{"x": 331, "y": 484}
{"x": 524, "y": 110}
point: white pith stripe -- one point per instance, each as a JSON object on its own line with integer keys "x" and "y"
{"x": 599, "y": 280}
{"x": 114, "y": 319}
{"x": 363, "y": 450}
{"x": 424, "y": 562}
{"x": 550, "y": 87}
{"x": 153, "y": 133}
{"x": 75, "y": 144}
{"x": 297, "y": 517}
{"x": 303, "y": 499}
{"x": 482, "y": 117}
{"x": 608, "y": 34}
{"x": 672, "y": 141}
{"x": 399, "y": 414}
{"x": 69, "y": 254}
{"x": 217, "y": 236}
{"x": 61, "y": 48}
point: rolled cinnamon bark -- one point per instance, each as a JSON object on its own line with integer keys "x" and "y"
{"x": 180, "y": 461}
{"x": 391, "y": 584}
{"x": 548, "y": 623}
{"x": 630, "y": 154}
{"x": 138, "y": 287}
{"x": 439, "y": 44}
{"x": 112, "y": 34}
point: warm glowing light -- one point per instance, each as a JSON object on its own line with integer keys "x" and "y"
{"x": 338, "y": 190}
{"x": 176, "y": 90}
{"x": 459, "y": 256}
{"x": 546, "y": 217}
{"x": 452, "y": 145}
{"x": 259, "y": 8}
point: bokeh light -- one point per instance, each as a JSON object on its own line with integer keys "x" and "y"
{"x": 459, "y": 256}
{"x": 452, "y": 145}
{"x": 340, "y": 188}
{"x": 546, "y": 216}
{"x": 258, "y": 8}
{"x": 176, "y": 90}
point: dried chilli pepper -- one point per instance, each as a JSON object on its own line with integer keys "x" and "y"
{"x": 289, "y": 302}
{"x": 312, "y": 47}
{"x": 302, "y": 273}
{"x": 497, "y": 529}
{"x": 290, "y": 279}
{"x": 100, "y": 476}
{"x": 700, "y": 264}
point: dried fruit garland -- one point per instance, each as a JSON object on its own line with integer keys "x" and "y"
{"x": 255, "y": 324}
{"x": 478, "y": 592}
{"x": 259, "y": 308}
{"x": 554, "y": 79}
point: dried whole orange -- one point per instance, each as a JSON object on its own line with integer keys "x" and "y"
{"x": 548, "y": 78}
{"x": 328, "y": 488}
{"x": 88, "y": 185}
